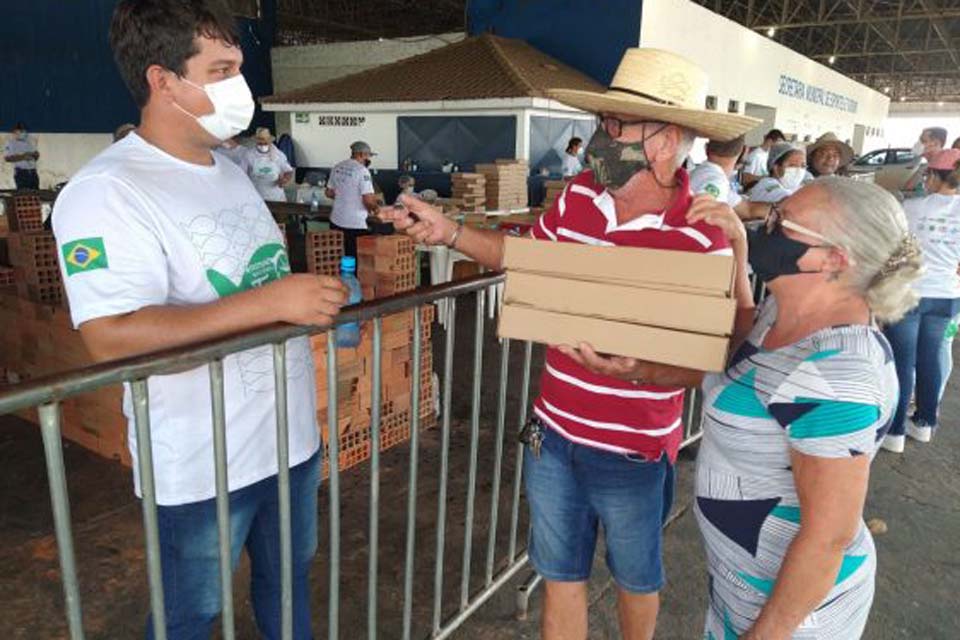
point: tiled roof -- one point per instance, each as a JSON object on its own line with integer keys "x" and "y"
{"x": 479, "y": 67}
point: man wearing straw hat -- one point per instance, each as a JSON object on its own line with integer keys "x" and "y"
{"x": 602, "y": 443}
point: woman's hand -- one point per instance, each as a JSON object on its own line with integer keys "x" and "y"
{"x": 718, "y": 214}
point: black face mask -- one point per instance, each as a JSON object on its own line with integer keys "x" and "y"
{"x": 366, "y": 162}
{"x": 773, "y": 254}
{"x": 613, "y": 162}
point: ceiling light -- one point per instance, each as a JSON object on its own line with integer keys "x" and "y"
{"x": 772, "y": 31}
{"x": 903, "y": 98}
{"x": 886, "y": 89}
{"x": 940, "y": 104}
{"x": 833, "y": 59}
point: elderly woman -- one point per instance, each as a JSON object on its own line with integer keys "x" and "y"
{"x": 787, "y": 164}
{"x": 791, "y": 426}
{"x": 918, "y": 339}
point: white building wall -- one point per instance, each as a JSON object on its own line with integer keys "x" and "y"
{"x": 61, "y": 156}
{"x": 747, "y": 66}
{"x": 297, "y": 67}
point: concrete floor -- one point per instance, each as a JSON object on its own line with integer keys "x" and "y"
{"x": 917, "y": 494}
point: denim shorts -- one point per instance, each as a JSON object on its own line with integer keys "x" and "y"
{"x": 572, "y": 489}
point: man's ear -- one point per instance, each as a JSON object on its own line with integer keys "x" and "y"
{"x": 160, "y": 81}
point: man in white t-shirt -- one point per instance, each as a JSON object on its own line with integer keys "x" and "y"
{"x": 353, "y": 193}
{"x": 755, "y": 165}
{"x": 713, "y": 178}
{"x": 165, "y": 243}
{"x": 267, "y": 167}
{"x": 21, "y": 151}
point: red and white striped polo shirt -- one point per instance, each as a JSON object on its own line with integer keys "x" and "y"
{"x": 595, "y": 410}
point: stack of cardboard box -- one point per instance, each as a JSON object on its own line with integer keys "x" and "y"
{"x": 324, "y": 250}
{"x": 469, "y": 191}
{"x": 670, "y": 307}
{"x": 506, "y": 184}
{"x": 386, "y": 265}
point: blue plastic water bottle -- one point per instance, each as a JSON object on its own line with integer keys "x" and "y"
{"x": 348, "y": 335}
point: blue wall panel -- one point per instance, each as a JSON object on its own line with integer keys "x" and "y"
{"x": 58, "y": 72}
{"x": 589, "y": 35}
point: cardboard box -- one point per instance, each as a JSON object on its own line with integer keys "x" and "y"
{"x": 637, "y": 305}
{"x": 670, "y": 307}
{"x": 651, "y": 268}
{"x": 678, "y": 348}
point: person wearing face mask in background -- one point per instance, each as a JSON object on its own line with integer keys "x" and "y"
{"x": 21, "y": 151}
{"x": 406, "y": 185}
{"x": 932, "y": 141}
{"x": 602, "y": 445}
{"x": 787, "y": 164}
{"x": 919, "y": 338}
{"x": 354, "y": 196}
{"x": 151, "y": 257}
{"x": 267, "y": 167}
{"x": 571, "y": 159}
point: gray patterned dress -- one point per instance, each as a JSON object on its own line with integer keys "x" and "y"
{"x": 829, "y": 395}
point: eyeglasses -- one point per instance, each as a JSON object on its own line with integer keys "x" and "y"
{"x": 775, "y": 219}
{"x": 614, "y": 126}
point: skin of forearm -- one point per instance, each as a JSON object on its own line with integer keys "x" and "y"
{"x": 808, "y": 573}
{"x": 164, "y": 327}
{"x": 482, "y": 245}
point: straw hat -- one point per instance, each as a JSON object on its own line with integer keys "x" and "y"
{"x": 829, "y": 138}
{"x": 661, "y": 86}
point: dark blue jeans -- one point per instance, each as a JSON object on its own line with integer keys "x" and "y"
{"x": 191, "y": 565}
{"x": 917, "y": 341}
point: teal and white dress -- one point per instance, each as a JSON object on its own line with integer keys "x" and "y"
{"x": 830, "y": 395}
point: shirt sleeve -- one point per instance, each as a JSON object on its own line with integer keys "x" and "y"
{"x": 366, "y": 182}
{"x": 706, "y": 180}
{"x": 768, "y": 191}
{"x": 832, "y": 405}
{"x": 754, "y": 166}
{"x": 284, "y": 162}
{"x": 546, "y": 226}
{"x": 111, "y": 259}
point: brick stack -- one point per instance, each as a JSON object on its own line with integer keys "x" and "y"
{"x": 24, "y": 214}
{"x": 506, "y": 184}
{"x": 324, "y": 250}
{"x": 469, "y": 191}
{"x": 554, "y": 189}
{"x": 39, "y": 340}
{"x": 386, "y": 265}
{"x": 8, "y": 284}
{"x": 355, "y": 384}
{"x": 37, "y": 273}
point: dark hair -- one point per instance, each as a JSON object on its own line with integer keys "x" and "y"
{"x": 574, "y": 141}
{"x": 937, "y": 133}
{"x": 730, "y": 149}
{"x": 775, "y": 134}
{"x": 19, "y": 127}
{"x": 949, "y": 177}
{"x": 956, "y": 144}
{"x": 163, "y": 32}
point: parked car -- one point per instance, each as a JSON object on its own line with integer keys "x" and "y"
{"x": 892, "y": 168}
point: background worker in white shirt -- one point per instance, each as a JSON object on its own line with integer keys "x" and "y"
{"x": 21, "y": 151}
{"x": 354, "y": 196}
{"x": 571, "y": 158}
{"x": 713, "y": 176}
{"x": 755, "y": 165}
{"x": 787, "y": 165}
{"x": 267, "y": 167}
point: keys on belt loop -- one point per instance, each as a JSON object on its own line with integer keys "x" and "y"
{"x": 532, "y": 435}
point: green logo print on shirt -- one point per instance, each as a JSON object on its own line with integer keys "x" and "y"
{"x": 268, "y": 263}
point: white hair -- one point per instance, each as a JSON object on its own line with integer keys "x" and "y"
{"x": 687, "y": 137}
{"x": 871, "y": 225}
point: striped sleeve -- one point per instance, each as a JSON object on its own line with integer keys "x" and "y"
{"x": 831, "y": 405}
{"x": 546, "y": 226}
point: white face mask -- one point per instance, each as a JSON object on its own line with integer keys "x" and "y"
{"x": 232, "y": 107}
{"x": 263, "y": 148}
{"x": 793, "y": 178}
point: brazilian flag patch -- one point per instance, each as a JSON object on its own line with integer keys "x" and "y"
{"x": 84, "y": 255}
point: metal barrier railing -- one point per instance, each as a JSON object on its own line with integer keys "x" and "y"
{"x": 47, "y": 394}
